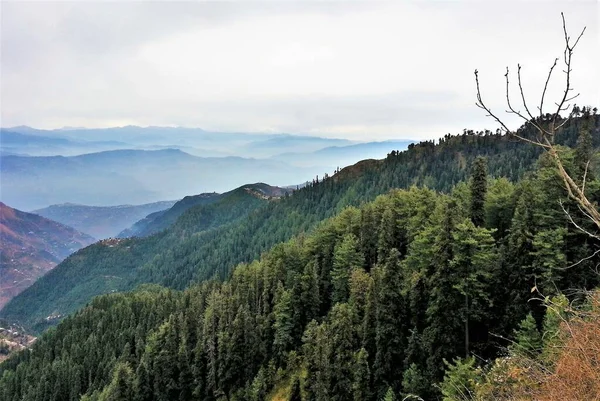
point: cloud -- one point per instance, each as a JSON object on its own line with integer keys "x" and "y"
{"x": 335, "y": 68}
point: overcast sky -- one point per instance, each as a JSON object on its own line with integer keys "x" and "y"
{"x": 341, "y": 69}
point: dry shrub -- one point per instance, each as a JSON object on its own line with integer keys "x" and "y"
{"x": 576, "y": 374}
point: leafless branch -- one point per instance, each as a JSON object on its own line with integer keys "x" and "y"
{"x": 545, "y": 140}
{"x": 582, "y": 260}
{"x": 568, "y": 54}
{"x": 541, "y": 108}
{"x": 583, "y": 230}
{"x": 587, "y": 165}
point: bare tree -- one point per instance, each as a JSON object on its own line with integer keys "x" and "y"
{"x": 548, "y": 125}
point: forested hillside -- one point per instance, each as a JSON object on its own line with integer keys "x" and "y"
{"x": 110, "y": 265}
{"x": 368, "y": 306}
{"x": 159, "y": 221}
{"x": 176, "y": 257}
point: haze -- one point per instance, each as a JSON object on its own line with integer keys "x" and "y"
{"x": 340, "y": 69}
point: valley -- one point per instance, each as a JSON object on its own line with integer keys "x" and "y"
{"x": 30, "y": 246}
{"x": 299, "y": 201}
{"x": 101, "y": 221}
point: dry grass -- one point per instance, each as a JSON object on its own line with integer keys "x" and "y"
{"x": 576, "y": 375}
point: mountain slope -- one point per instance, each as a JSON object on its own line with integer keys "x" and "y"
{"x": 30, "y": 246}
{"x": 101, "y": 221}
{"x": 159, "y": 221}
{"x": 177, "y": 258}
{"x": 113, "y": 264}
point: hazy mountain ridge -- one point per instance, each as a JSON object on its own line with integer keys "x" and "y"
{"x": 31, "y": 245}
{"x": 206, "y": 143}
{"x": 343, "y": 155}
{"x": 132, "y": 177}
{"x": 101, "y": 221}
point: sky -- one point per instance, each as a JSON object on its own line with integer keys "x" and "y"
{"x": 356, "y": 70}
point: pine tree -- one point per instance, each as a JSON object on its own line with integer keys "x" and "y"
{"x": 389, "y": 395}
{"x": 342, "y": 339}
{"x": 345, "y": 258}
{"x": 528, "y": 339}
{"x": 361, "y": 385}
{"x": 478, "y": 191}
{"x": 283, "y": 325}
{"x": 121, "y": 386}
{"x": 390, "y": 336}
{"x": 460, "y": 380}
{"x": 472, "y": 267}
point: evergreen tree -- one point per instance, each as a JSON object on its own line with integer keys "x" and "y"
{"x": 390, "y": 335}
{"x": 528, "y": 339}
{"x": 473, "y": 266}
{"x": 283, "y": 325}
{"x": 478, "y": 191}
{"x": 121, "y": 386}
{"x": 460, "y": 380}
{"x": 345, "y": 258}
{"x": 361, "y": 386}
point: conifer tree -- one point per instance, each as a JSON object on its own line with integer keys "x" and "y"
{"x": 361, "y": 385}
{"x": 345, "y": 258}
{"x": 121, "y": 386}
{"x": 472, "y": 267}
{"x": 390, "y": 326}
{"x": 283, "y": 325}
{"x": 478, "y": 191}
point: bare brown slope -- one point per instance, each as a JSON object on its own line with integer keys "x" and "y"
{"x": 30, "y": 245}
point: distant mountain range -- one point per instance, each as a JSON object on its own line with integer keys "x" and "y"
{"x": 30, "y": 245}
{"x": 140, "y": 165}
{"x": 12, "y": 142}
{"x": 101, "y": 221}
{"x": 342, "y": 155}
{"x": 132, "y": 177}
{"x": 67, "y": 142}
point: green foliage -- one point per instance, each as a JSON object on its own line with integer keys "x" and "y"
{"x": 208, "y": 240}
{"x": 460, "y": 380}
{"x": 389, "y": 395}
{"x": 528, "y": 339}
{"x": 367, "y": 305}
{"x": 478, "y": 191}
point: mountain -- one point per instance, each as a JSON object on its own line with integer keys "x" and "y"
{"x": 193, "y": 140}
{"x": 101, "y": 221}
{"x": 158, "y": 221}
{"x": 182, "y": 255}
{"x": 132, "y": 177}
{"x": 340, "y": 156}
{"x": 380, "y": 301}
{"x": 27, "y": 142}
{"x": 281, "y": 143}
{"x": 112, "y": 264}
{"x": 30, "y": 246}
